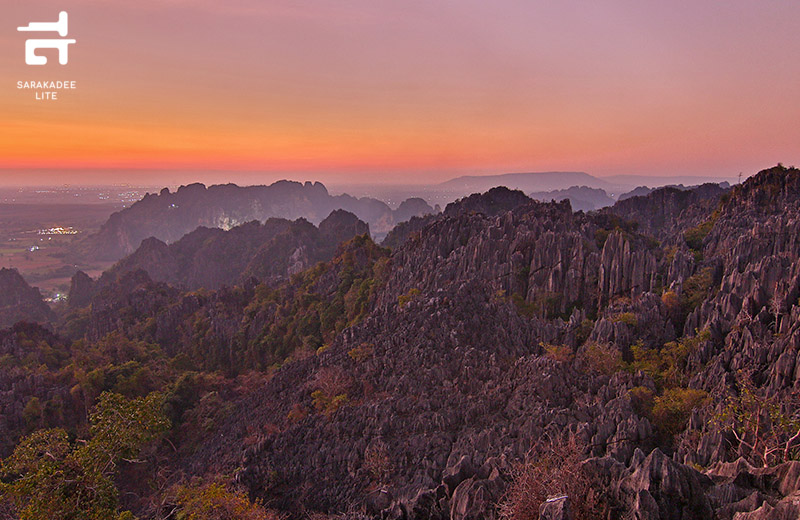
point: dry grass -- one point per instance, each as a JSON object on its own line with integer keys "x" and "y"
{"x": 552, "y": 468}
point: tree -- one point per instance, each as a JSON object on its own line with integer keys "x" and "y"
{"x": 776, "y": 306}
{"x": 217, "y": 500}
{"x": 48, "y": 476}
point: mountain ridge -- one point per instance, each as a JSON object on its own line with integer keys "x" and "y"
{"x": 169, "y": 216}
{"x": 211, "y": 257}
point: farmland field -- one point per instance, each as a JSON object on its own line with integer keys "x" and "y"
{"x": 36, "y": 239}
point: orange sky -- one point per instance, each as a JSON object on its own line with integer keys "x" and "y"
{"x": 411, "y": 91}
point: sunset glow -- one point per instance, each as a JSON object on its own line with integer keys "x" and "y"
{"x": 413, "y": 91}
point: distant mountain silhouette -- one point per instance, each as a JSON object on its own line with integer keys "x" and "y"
{"x": 582, "y": 198}
{"x": 644, "y": 190}
{"x": 657, "y": 181}
{"x": 169, "y": 216}
{"x": 539, "y": 182}
{"x": 527, "y": 182}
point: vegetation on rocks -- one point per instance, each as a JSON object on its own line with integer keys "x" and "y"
{"x": 50, "y": 476}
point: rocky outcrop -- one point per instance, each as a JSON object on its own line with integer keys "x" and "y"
{"x": 558, "y": 508}
{"x": 658, "y": 487}
{"x": 122, "y": 304}
{"x": 625, "y": 271}
{"x": 81, "y": 290}
{"x": 19, "y": 301}
{"x": 655, "y": 486}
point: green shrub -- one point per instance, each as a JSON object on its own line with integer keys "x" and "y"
{"x": 602, "y": 358}
{"x": 694, "y": 237}
{"x": 331, "y": 385}
{"x": 584, "y": 331}
{"x": 49, "y": 476}
{"x": 642, "y": 400}
{"x": 671, "y": 410}
{"x": 667, "y": 365}
{"x": 217, "y": 500}
{"x": 32, "y": 413}
{"x": 672, "y": 303}
{"x": 697, "y": 287}
{"x": 628, "y": 318}
{"x": 405, "y": 299}
{"x": 559, "y": 353}
{"x": 328, "y": 404}
{"x": 361, "y": 352}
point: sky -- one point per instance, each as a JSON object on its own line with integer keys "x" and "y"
{"x": 411, "y": 91}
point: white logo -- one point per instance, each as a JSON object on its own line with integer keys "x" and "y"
{"x": 32, "y": 45}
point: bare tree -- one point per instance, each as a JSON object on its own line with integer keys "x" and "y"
{"x": 766, "y": 427}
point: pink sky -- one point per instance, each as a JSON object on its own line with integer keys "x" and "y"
{"x": 411, "y": 91}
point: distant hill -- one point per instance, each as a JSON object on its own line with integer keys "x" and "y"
{"x": 169, "y": 216}
{"x": 582, "y": 198}
{"x": 657, "y": 181}
{"x": 640, "y": 191}
{"x": 527, "y": 182}
{"x": 667, "y": 212}
{"x": 539, "y": 182}
{"x": 645, "y": 190}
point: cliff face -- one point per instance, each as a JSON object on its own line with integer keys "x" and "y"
{"x": 169, "y": 216}
{"x": 19, "y": 301}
